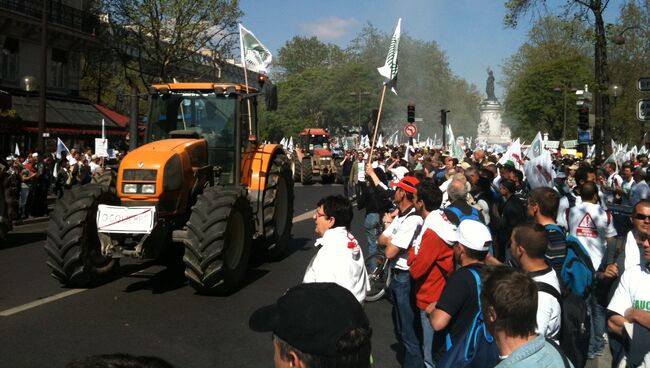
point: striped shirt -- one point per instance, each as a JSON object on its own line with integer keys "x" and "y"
{"x": 556, "y": 250}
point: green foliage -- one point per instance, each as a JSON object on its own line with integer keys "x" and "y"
{"x": 324, "y": 86}
{"x": 302, "y": 53}
{"x": 555, "y": 59}
{"x": 628, "y": 62}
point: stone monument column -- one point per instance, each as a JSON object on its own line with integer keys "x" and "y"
{"x": 490, "y": 128}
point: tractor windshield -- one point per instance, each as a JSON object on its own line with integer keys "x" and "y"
{"x": 211, "y": 116}
{"x": 319, "y": 141}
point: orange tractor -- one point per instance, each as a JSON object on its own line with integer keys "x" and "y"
{"x": 313, "y": 157}
{"x": 201, "y": 186}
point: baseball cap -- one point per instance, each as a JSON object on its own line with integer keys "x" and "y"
{"x": 465, "y": 165}
{"x": 508, "y": 184}
{"x": 35, "y": 154}
{"x": 509, "y": 164}
{"x": 312, "y": 317}
{"x": 408, "y": 183}
{"x": 474, "y": 235}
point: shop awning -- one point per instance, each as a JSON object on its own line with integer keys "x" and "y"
{"x": 62, "y": 112}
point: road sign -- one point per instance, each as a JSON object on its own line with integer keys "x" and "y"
{"x": 410, "y": 130}
{"x": 644, "y": 84}
{"x": 643, "y": 110}
{"x": 584, "y": 136}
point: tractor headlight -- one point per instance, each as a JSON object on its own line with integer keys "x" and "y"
{"x": 148, "y": 188}
{"x": 130, "y": 188}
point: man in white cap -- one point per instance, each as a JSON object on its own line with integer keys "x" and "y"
{"x": 458, "y": 303}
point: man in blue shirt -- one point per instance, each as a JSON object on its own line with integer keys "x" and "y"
{"x": 509, "y": 305}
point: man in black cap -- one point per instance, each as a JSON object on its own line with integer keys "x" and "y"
{"x": 316, "y": 325}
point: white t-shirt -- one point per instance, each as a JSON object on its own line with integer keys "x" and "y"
{"x": 549, "y": 311}
{"x": 564, "y": 205}
{"x": 632, "y": 291}
{"x": 93, "y": 167}
{"x": 339, "y": 260}
{"x": 592, "y": 226}
{"x": 361, "y": 175}
{"x": 401, "y": 232}
{"x": 632, "y": 251}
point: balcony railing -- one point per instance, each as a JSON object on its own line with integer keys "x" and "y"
{"x": 57, "y": 13}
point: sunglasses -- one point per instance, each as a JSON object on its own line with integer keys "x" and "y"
{"x": 640, "y": 216}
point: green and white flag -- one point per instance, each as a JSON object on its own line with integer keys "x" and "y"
{"x": 389, "y": 70}
{"x": 535, "y": 148}
{"x": 254, "y": 54}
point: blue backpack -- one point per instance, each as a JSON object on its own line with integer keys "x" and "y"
{"x": 477, "y": 347}
{"x": 577, "y": 270}
{"x": 474, "y": 215}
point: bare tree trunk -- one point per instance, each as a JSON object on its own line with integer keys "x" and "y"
{"x": 601, "y": 98}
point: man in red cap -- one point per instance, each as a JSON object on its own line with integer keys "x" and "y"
{"x": 402, "y": 226}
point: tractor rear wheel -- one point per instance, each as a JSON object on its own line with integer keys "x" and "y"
{"x": 5, "y": 221}
{"x": 306, "y": 171}
{"x": 218, "y": 240}
{"x": 278, "y": 208}
{"x": 297, "y": 170}
{"x": 72, "y": 245}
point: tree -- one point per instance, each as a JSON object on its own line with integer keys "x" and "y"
{"x": 163, "y": 36}
{"x": 629, "y": 61}
{"x": 554, "y": 59}
{"x": 303, "y": 53}
{"x": 581, "y": 9}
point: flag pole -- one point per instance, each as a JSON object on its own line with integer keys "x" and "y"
{"x": 374, "y": 135}
{"x": 248, "y": 101}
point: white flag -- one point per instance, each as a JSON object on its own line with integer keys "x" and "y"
{"x": 380, "y": 142}
{"x": 283, "y": 142}
{"x": 539, "y": 171}
{"x": 254, "y": 54}
{"x": 290, "y": 144}
{"x": 535, "y": 148}
{"x": 389, "y": 70}
{"x": 60, "y": 147}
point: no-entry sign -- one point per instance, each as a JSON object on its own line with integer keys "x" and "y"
{"x": 410, "y": 130}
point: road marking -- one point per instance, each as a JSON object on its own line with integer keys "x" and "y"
{"x": 36, "y": 303}
{"x": 21, "y": 308}
{"x": 305, "y": 216}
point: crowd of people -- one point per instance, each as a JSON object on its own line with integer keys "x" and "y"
{"x": 31, "y": 178}
{"x": 481, "y": 261}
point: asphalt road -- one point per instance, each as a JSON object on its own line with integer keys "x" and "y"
{"x": 150, "y": 310}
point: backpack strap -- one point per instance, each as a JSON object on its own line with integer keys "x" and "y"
{"x": 573, "y": 243}
{"x": 548, "y": 289}
{"x": 456, "y": 211}
{"x": 557, "y": 228}
{"x": 565, "y": 360}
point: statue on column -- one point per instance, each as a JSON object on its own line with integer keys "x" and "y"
{"x": 489, "y": 88}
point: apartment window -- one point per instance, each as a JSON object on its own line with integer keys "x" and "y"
{"x": 59, "y": 68}
{"x": 9, "y": 60}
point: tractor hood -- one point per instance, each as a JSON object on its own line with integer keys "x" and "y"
{"x": 322, "y": 152}
{"x": 154, "y": 155}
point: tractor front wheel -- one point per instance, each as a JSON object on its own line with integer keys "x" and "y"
{"x": 218, "y": 240}
{"x": 72, "y": 245}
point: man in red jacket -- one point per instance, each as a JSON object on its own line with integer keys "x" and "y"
{"x": 430, "y": 261}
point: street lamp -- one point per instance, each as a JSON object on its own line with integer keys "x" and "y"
{"x": 359, "y": 94}
{"x": 619, "y": 39}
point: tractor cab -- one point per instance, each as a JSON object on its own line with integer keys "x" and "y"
{"x": 314, "y": 138}
{"x": 205, "y": 111}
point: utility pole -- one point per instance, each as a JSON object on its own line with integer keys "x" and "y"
{"x": 443, "y": 121}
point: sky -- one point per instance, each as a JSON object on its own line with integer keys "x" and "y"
{"x": 470, "y": 32}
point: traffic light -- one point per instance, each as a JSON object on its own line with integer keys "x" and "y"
{"x": 443, "y": 117}
{"x": 410, "y": 113}
{"x": 583, "y": 118}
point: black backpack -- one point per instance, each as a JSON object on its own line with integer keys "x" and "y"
{"x": 575, "y": 325}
